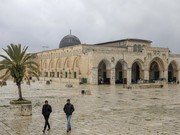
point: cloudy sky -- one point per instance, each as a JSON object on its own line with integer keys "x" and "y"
{"x": 38, "y": 23}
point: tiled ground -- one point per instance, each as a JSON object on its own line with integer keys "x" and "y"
{"x": 109, "y": 110}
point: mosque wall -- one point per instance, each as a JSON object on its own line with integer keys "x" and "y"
{"x": 96, "y": 64}
{"x": 71, "y": 63}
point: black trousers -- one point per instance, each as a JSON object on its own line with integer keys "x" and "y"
{"x": 46, "y": 122}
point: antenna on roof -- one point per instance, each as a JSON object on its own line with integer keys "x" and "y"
{"x": 44, "y": 47}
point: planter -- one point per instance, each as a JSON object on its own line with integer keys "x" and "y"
{"x": 21, "y": 108}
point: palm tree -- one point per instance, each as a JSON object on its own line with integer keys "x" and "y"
{"x": 19, "y": 65}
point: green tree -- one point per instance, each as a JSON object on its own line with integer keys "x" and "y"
{"x": 19, "y": 65}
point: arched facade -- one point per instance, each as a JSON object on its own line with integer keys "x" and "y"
{"x": 75, "y": 68}
{"x": 104, "y": 72}
{"x": 121, "y": 72}
{"x": 120, "y": 62}
{"x": 67, "y": 72}
{"x": 156, "y": 69}
{"x": 58, "y": 68}
{"x": 44, "y": 68}
{"x": 172, "y": 72}
{"x": 137, "y": 71}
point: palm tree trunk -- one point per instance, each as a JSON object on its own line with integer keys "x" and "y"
{"x": 19, "y": 92}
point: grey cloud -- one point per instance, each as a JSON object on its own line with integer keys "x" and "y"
{"x": 38, "y": 23}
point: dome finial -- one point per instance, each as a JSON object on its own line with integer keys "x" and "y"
{"x": 70, "y": 31}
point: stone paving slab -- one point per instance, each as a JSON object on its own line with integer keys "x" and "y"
{"x": 4, "y": 129}
{"x": 109, "y": 110}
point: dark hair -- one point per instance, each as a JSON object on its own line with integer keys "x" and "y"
{"x": 46, "y": 101}
{"x": 68, "y": 100}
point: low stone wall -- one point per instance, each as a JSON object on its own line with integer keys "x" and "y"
{"x": 143, "y": 86}
{"x": 22, "y": 109}
{"x": 60, "y": 80}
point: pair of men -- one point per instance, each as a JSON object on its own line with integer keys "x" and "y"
{"x": 68, "y": 110}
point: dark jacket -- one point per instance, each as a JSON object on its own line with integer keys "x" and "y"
{"x": 46, "y": 110}
{"x": 68, "y": 108}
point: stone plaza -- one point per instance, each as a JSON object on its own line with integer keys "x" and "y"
{"x": 107, "y": 110}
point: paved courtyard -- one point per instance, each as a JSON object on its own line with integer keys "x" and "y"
{"x": 109, "y": 110}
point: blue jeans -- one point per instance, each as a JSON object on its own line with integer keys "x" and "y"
{"x": 68, "y": 122}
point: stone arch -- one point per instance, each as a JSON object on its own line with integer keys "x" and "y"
{"x": 44, "y": 71}
{"x": 67, "y": 68}
{"x": 75, "y": 68}
{"x": 75, "y": 63}
{"x": 58, "y": 64}
{"x": 137, "y": 71}
{"x": 52, "y": 68}
{"x": 67, "y": 64}
{"x": 58, "y": 68}
{"x": 44, "y": 65}
{"x": 121, "y": 72}
{"x": 51, "y": 64}
{"x": 104, "y": 72}
{"x": 156, "y": 69}
{"x": 172, "y": 71}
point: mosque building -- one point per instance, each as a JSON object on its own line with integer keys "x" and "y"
{"x": 124, "y": 61}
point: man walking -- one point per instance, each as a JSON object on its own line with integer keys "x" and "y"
{"x": 68, "y": 110}
{"x": 46, "y": 110}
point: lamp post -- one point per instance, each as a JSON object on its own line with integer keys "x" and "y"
{"x": 44, "y": 47}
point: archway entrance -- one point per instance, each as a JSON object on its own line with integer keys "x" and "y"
{"x": 119, "y": 73}
{"x": 154, "y": 71}
{"x": 103, "y": 73}
{"x": 172, "y": 72}
{"x": 135, "y": 73}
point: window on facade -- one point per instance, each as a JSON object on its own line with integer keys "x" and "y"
{"x": 139, "y": 48}
{"x": 135, "y": 48}
{"x": 66, "y": 75}
{"x": 57, "y": 74}
{"x": 51, "y": 74}
{"x": 46, "y": 74}
{"x": 74, "y": 74}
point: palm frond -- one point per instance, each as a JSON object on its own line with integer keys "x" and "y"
{"x": 6, "y": 59}
{"x": 6, "y": 75}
